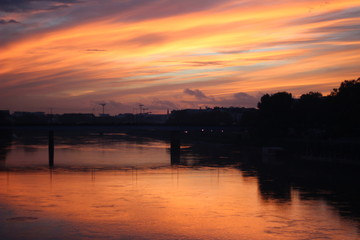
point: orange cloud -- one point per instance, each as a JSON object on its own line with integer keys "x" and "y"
{"x": 222, "y": 49}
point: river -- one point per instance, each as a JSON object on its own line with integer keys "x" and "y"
{"x": 119, "y": 185}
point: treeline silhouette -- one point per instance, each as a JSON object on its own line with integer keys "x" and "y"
{"x": 277, "y": 115}
{"x": 282, "y": 115}
{"x": 336, "y": 115}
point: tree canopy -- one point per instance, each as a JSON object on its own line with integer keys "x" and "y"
{"x": 338, "y": 113}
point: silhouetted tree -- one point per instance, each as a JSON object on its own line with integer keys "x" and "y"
{"x": 345, "y": 102}
{"x": 348, "y": 89}
{"x": 311, "y": 97}
{"x": 276, "y": 103}
{"x": 337, "y": 114}
{"x": 276, "y": 112}
{"x": 310, "y": 111}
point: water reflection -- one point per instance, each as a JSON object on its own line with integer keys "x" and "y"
{"x": 135, "y": 186}
{"x": 5, "y": 143}
{"x": 90, "y": 150}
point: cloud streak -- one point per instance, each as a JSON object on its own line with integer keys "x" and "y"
{"x": 171, "y": 53}
{"x": 3, "y": 21}
{"x": 32, "y": 5}
{"x": 196, "y": 93}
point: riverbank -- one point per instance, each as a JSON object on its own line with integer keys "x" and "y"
{"x": 344, "y": 151}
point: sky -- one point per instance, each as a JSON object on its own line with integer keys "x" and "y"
{"x": 71, "y": 55}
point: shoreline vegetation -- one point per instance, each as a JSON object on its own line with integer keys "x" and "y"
{"x": 312, "y": 128}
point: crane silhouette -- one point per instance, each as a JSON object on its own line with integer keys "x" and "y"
{"x": 103, "y": 107}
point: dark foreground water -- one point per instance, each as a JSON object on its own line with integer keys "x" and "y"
{"x": 124, "y": 186}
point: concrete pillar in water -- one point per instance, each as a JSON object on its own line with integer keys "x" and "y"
{"x": 175, "y": 147}
{"x": 51, "y": 148}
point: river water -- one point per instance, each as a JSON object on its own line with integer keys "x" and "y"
{"x": 131, "y": 186}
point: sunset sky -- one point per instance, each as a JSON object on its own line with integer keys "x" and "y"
{"x": 71, "y": 55}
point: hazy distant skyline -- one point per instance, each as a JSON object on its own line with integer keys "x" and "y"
{"x": 70, "y": 55}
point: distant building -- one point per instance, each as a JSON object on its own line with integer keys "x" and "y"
{"x": 77, "y": 118}
{"x": 4, "y": 113}
{"x": 53, "y": 118}
{"x": 143, "y": 118}
{"x": 152, "y": 118}
{"x": 4, "y": 116}
{"x": 209, "y": 116}
{"x": 126, "y": 118}
{"x": 27, "y": 114}
{"x": 29, "y": 118}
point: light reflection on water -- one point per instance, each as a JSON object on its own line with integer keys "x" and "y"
{"x": 123, "y": 187}
{"x": 89, "y": 151}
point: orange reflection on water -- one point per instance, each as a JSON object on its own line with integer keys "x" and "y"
{"x": 174, "y": 203}
{"x": 116, "y": 154}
